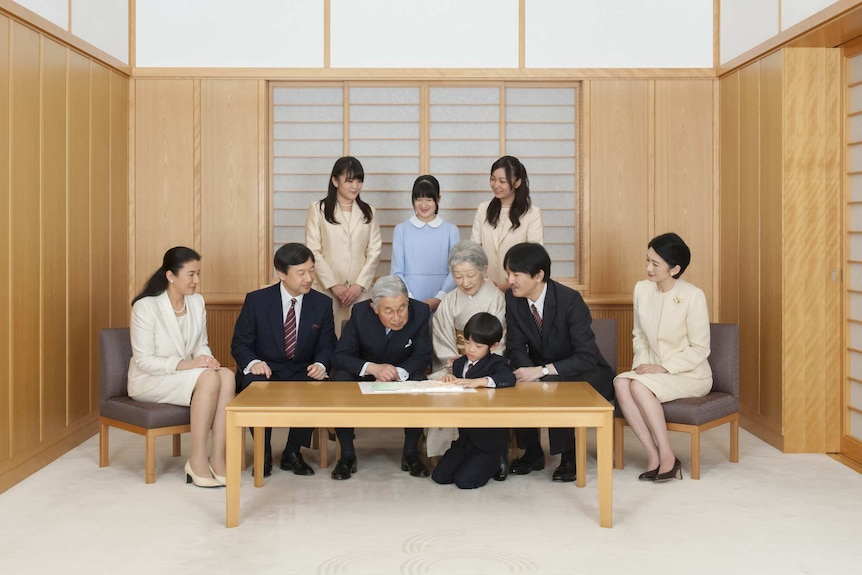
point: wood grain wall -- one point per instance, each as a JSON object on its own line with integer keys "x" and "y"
{"x": 201, "y": 180}
{"x": 64, "y": 190}
{"x": 780, "y": 206}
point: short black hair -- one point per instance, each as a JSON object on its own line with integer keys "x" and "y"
{"x": 291, "y": 255}
{"x": 484, "y": 328}
{"x": 528, "y": 258}
{"x": 427, "y": 187}
{"x": 672, "y": 250}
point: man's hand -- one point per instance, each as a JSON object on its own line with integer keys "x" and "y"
{"x": 382, "y": 372}
{"x": 316, "y": 371}
{"x": 528, "y": 374}
{"x": 260, "y": 368}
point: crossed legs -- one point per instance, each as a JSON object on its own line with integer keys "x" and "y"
{"x": 213, "y": 391}
{"x": 645, "y": 416}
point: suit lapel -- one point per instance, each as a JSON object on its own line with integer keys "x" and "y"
{"x": 303, "y": 334}
{"x": 169, "y": 319}
{"x": 548, "y": 313}
{"x": 274, "y": 315}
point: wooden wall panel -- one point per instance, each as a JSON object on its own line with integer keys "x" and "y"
{"x": 220, "y": 322}
{"x": 729, "y": 248}
{"x": 54, "y": 356}
{"x": 24, "y": 247}
{"x": 119, "y": 245}
{"x": 619, "y": 186}
{"x": 229, "y": 186}
{"x": 771, "y": 239}
{"x": 79, "y": 236}
{"x": 100, "y": 217}
{"x": 164, "y": 204}
{"x": 749, "y": 236}
{"x": 5, "y": 227}
{"x": 684, "y": 172}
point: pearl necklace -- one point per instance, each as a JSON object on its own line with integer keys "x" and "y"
{"x": 181, "y": 310}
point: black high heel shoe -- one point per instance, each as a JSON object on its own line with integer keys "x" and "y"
{"x": 675, "y": 472}
{"x": 649, "y": 475}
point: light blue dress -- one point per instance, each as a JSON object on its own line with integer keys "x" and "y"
{"x": 420, "y": 256}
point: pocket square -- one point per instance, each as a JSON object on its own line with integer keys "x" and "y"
{"x": 409, "y": 343}
{"x": 315, "y": 326}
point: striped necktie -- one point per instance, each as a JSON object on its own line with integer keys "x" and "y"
{"x": 536, "y": 317}
{"x": 290, "y": 331}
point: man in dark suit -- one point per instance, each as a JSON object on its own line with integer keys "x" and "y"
{"x": 549, "y": 338}
{"x": 285, "y": 332}
{"x": 386, "y": 339}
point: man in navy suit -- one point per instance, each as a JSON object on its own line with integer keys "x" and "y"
{"x": 285, "y": 332}
{"x": 386, "y": 339}
{"x": 549, "y": 338}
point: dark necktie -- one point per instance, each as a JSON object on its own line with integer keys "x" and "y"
{"x": 536, "y": 317}
{"x": 290, "y": 331}
{"x": 470, "y": 367}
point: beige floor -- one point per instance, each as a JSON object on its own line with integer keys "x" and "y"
{"x": 770, "y": 513}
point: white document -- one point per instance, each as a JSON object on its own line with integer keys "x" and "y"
{"x": 427, "y": 386}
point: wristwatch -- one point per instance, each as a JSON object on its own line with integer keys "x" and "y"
{"x": 545, "y": 371}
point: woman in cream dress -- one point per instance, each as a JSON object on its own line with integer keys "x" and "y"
{"x": 474, "y": 293}
{"x": 508, "y": 219}
{"x": 671, "y": 347}
{"x": 344, "y": 236}
{"x": 172, "y": 361}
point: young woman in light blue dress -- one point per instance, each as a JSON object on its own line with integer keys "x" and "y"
{"x": 420, "y": 246}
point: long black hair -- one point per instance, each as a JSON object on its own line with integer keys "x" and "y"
{"x": 351, "y": 168}
{"x": 515, "y": 170}
{"x": 174, "y": 260}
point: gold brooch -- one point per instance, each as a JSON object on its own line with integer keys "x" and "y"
{"x": 677, "y": 300}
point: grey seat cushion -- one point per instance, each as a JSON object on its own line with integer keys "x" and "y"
{"x": 700, "y": 410}
{"x": 143, "y": 414}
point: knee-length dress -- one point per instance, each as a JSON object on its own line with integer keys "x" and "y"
{"x": 671, "y": 329}
{"x": 160, "y": 341}
{"x": 346, "y": 252}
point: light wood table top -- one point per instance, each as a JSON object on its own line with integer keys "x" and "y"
{"x": 342, "y": 404}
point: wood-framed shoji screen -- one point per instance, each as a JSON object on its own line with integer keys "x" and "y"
{"x": 453, "y": 131}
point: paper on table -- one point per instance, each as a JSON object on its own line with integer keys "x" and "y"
{"x": 427, "y": 386}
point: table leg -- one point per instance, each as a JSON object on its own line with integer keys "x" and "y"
{"x": 233, "y": 443}
{"x": 581, "y": 455}
{"x": 258, "y": 456}
{"x": 605, "y": 455}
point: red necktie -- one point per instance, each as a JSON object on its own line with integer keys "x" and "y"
{"x": 290, "y": 331}
{"x": 537, "y": 317}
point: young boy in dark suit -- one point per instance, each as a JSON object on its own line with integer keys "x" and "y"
{"x": 478, "y": 454}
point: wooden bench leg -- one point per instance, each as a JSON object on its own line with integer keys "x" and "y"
{"x": 151, "y": 458}
{"x": 323, "y": 446}
{"x": 581, "y": 456}
{"x": 734, "y": 440}
{"x": 177, "y": 445}
{"x": 104, "y": 460}
{"x": 695, "y": 453}
{"x": 619, "y": 429}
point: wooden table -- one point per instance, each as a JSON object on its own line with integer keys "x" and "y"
{"x": 342, "y": 404}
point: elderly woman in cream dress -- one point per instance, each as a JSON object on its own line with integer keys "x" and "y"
{"x": 671, "y": 347}
{"x": 475, "y": 293}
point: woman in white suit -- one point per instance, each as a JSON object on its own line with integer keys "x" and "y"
{"x": 671, "y": 347}
{"x": 343, "y": 234}
{"x": 172, "y": 361}
{"x": 508, "y": 219}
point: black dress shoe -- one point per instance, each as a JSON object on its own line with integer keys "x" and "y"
{"x": 523, "y": 465}
{"x": 503, "y": 472}
{"x": 414, "y": 465}
{"x": 293, "y": 461}
{"x": 565, "y": 472}
{"x": 344, "y": 468}
{"x": 267, "y": 463}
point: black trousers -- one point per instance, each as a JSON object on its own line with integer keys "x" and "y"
{"x": 467, "y": 466}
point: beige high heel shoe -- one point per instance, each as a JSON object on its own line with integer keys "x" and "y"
{"x": 220, "y": 478}
{"x": 199, "y": 481}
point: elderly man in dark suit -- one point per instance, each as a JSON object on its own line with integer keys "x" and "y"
{"x": 386, "y": 339}
{"x": 548, "y": 338}
{"x": 285, "y": 332}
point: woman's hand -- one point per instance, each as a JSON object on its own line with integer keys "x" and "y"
{"x": 649, "y": 368}
{"x": 338, "y": 292}
{"x": 351, "y": 295}
{"x": 448, "y": 378}
{"x": 204, "y": 361}
{"x": 433, "y": 303}
{"x": 502, "y": 286}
